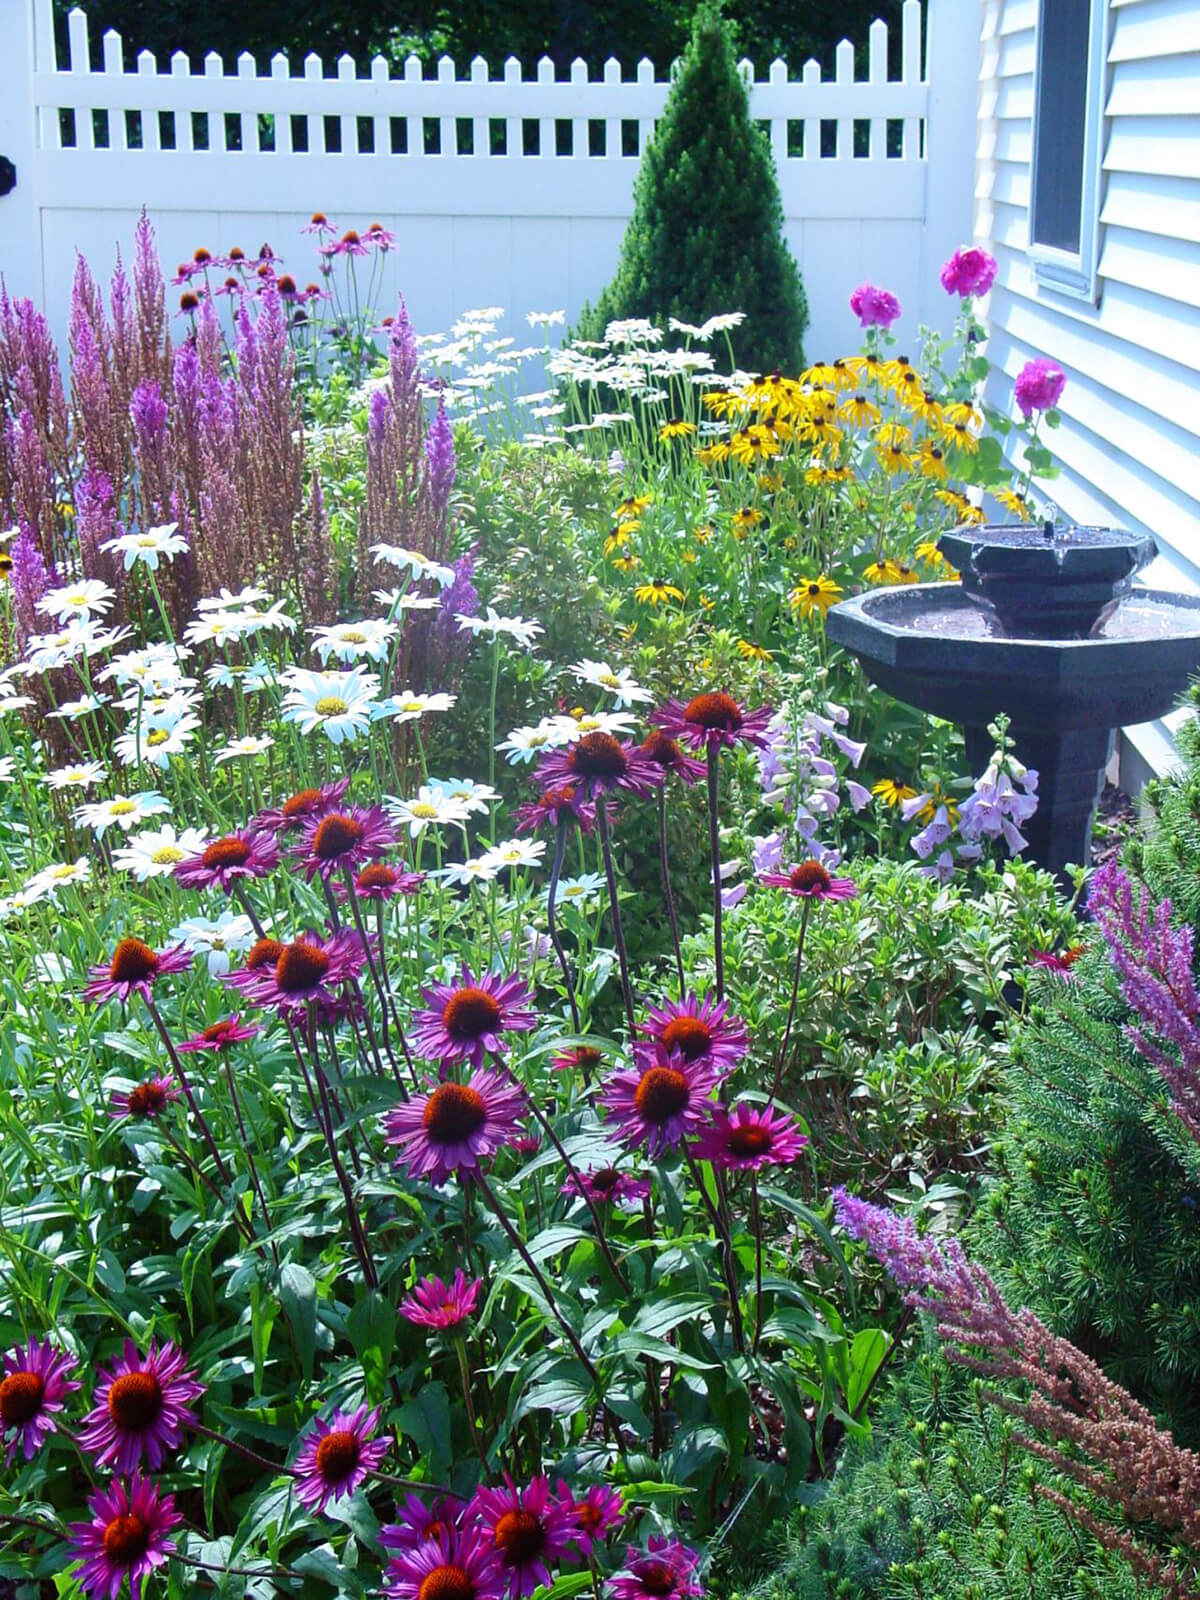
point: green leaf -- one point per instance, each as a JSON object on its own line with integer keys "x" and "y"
{"x": 426, "y": 1420}
{"x": 867, "y": 1355}
{"x": 298, "y": 1296}
{"x": 659, "y": 1316}
{"x": 631, "y": 1342}
{"x": 371, "y": 1328}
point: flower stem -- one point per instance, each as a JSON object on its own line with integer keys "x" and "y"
{"x": 618, "y": 932}
{"x": 787, "y": 1032}
{"x": 714, "y": 844}
{"x": 668, "y": 895}
{"x": 725, "y": 1243}
{"x": 186, "y": 1086}
{"x": 756, "y": 1221}
{"x": 560, "y": 845}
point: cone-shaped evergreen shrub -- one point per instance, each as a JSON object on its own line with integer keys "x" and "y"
{"x": 705, "y": 235}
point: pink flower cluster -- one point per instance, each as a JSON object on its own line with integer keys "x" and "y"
{"x": 969, "y": 271}
{"x": 874, "y": 308}
{"x": 1039, "y": 384}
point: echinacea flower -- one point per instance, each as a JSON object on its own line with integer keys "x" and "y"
{"x": 660, "y": 1099}
{"x": 584, "y": 1057}
{"x": 455, "y": 1125}
{"x": 607, "y": 1185}
{"x": 701, "y": 1030}
{"x": 344, "y": 840}
{"x": 311, "y": 968}
{"x": 140, "y": 1408}
{"x": 597, "y": 764}
{"x": 146, "y": 1100}
{"x": 529, "y": 1528}
{"x": 466, "y": 1018}
{"x": 378, "y": 882}
{"x": 553, "y": 808}
{"x": 749, "y": 1137}
{"x": 302, "y": 807}
{"x": 222, "y": 1035}
{"x": 248, "y": 853}
{"x": 35, "y": 1384}
{"x": 1059, "y": 962}
{"x": 335, "y": 1457}
{"x": 665, "y": 1570}
{"x": 451, "y": 1565}
{"x": 128, "y": 1536}
{"x": 811, "y": 881}
{"x": 669, "y": 754}
{"x": 595, "y": 1516}
{"x": 434, "y": 1304}
{"x": 713, "y": 719}
{"x": 134, "y": 968}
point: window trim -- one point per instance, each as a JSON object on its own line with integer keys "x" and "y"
{"x": 1066, "y": 272}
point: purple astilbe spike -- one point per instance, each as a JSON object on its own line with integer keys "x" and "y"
{"x": 271, "y": 429}
{"x": 96, "y": 523}
{"x": 318, "y": 580}
{"x": 31, "y": 487}
{"x": 122, "y": 330}
{"x": 379, "y": 411}
{"x": 30, "y": 378}
{"x": 404, "y": 358}
{"x": 29, "y": 579}
{"x": 440, "y": 468}
{"x": 150, "y": 306}
{"x": 210, "y": 342}
{"x": 438, "y": 646}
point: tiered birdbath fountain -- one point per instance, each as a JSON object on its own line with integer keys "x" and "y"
{"x": 1045, "y": 627}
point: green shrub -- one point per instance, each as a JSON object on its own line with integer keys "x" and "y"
{"x": 705, "y": 235}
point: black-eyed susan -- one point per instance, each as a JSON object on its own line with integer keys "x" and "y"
{"x": 962, "y": 411}
{"x": 633, "y": 507}
{"x": 957, "y": 502}
{"x": 752, "y": 652}
{"x": 819, "y": 431}
{"x": 884, "y": 570}
{"x": 627, "y": 562}
{"x": 707, "y": 605}
{"x": 747, "y": 517}
{"x": 931, "y": 460}
{"x": 930, "y": 556}
{"x": 959, "y": 436}
{"x": 770, "y": 482}
{"x": 820, "y": 374}
{"x": 1014, "y": 502}
{"x": 859, "y": 411}
{"x": 908, "y": 388}
{"x": 754, "y": 443}
{"x": 6, "y": 564}
{"x": 619, "y": 537}
{"x": 712, "y": 455}
{"x": 903, "y": 573}
{"x": 872, "y": 367}
{"x": 658, "y": 592}
{"x": 891, "y": 793}
{"x": 676, "y": 428}
{"x": 813, "y": 595}
{"x": 893, "y": 432}
{"x": 817, "y": 475}
{"x": 722, "y": 402}
{"x": 702, "y": 534}
{"x": 894, "y": 458}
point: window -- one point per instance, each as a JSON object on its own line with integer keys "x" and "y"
{"x": 1072, "y": 60}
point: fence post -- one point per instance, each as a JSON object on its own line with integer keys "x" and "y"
{"x": 952, "y": 43}
{"x": 20, "y": 212}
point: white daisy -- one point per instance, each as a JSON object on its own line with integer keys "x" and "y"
{"x": 431, "y": 806}
{"x": 258, "y": 620}
{"x": 545, "y": 319}
{"x": 494, "y": 625}
{"x": 475, "y": 796}
{"x": 147, "y": 547}
{"x": 408, "y": 705}
{"x": 57, "y": 875}
{"x": 526, "y": 744}
{"x": 418, "y": 566}
{"x": 226, "y": 601}
{"x": 8, "y": 768}
{"x": 77, "y": 599}
{"x": 14, "y": 702}
{"x": 218, "y": 627}
{"x": 402, "y": 600}
{"x": 82, "y": 776}
{"x": 249, "y": 679}
{"x": 79, "y": 708}
{"x": 157, "y": 852}
{"x": 614, "y": 722}
{"x": 155, "y": 741}
{"x": 250, "y": 745}
{"x": 617, "y": 681}
{"x": 125, "y": 812}
{"x": 575, "y": 891}
{"x": 515, "y": 853}
{"x": 476, "y": 870}
{"x": 14, "y": 904}
{"x": 155, "y": 663}
{"x": 228, "y": 935}
{"x": 339, "y": 703}
{"x": 349, "y": 641}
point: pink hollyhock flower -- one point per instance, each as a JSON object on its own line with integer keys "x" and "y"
{"x": 969, "y": 271}
{"x": 32, "y": 1392}
{"x": 134, "y": 969}
{"x": 748, "y": 1138}
{"x": 713, "y": 719}
{"x": 336, "y": 1456}
{"x": 874, "y": 308}
{"x": 811, "y": 881}
{"x": 466, "y": 1018}
{"x": 141, "y": 1408}
{"x": 455, "y": 1125}
{"x": 701, "y": 1030}
{"x": 665, "y": 1570}
{"x": 128, "y": 1537}
{"x": 660, "y": 1099}
{"x": 1039, "y": 384}
{"x": 529, "y": 1528}
{"x": 434, "y": 1304}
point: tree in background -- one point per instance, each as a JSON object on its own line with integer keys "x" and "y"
{"x": 706, "y": 231}
{"x": 562, "y": 29}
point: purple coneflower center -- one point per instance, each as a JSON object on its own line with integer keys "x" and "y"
{"x": 809, "y": 877}
{"x": 520, "y": 1536}
{"x": 377, "y": 876}
{"x": 228, "y": 852}
{"x": 147, "y": 1100}
{"x": 605, "y": 1181}
{"x": 125, "y": 1539}
{"x": 691, "y": 1037}
{"x": 558, "y": 799}
{"x": 717, "y": 710}
{"x": 662, "y": 1094}
{"x": 263, "y": 953}
{"x": 336, "y": 836}
{"x": 598, "y": 755}
{"x": 300, "y": 966}
{"x": 748, "y": 1139}
{"x": 135, "y": 1400}
{"x": 217, "y": 1032}
{"x": 446, "y": 1582}
{"x": 470, "y": 1013}
{"x": 20, "y": 1398}
{"x": 656, "y": 1578}
{"x": 300, "y": 805}
{"x": 453, "y": 1112}
{"x": 660, "y": 747}
{"x": 132, "y": 962}
{"x": 337, "y": 1455}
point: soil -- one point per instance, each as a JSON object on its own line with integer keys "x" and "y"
{"x": 1116, "y": 817}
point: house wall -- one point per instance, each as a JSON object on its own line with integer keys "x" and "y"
{"x": 1129, "y": 444}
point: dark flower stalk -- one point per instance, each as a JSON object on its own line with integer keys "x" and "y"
{"x": 728, "y": 1263}
{"x": 714, "y": 845}
{"x": 560, "y": 845}
{"x": 185, "y": 1085}
{"x": 781, "y": 1058}
{"x": 618, "y": 931}
{"x": 668, "y": 894}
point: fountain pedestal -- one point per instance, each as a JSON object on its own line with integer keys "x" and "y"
{"x": 1092, "y": 656}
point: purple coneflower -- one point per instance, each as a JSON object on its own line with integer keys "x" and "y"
{"x": 701, "y": 1030}
{"x": 597, "y": 764}
{"x": 32, "y": 1391}
{"x": 303, "y": 806}
{"x": 221, "y": 1035}
{"x": 580, "y": 1057}
{"x": 607, "y": 1184}
{"x": 451, "y": 1566}
{"x": 670, "y": 756}
{"x": 133, "y": 970}
{"x": 811, "y": 881}
{"x": 749, "y": 1137}
{"x": 434, "y": 1304}
{"x": 262, "y": 954}
{"x": 379, "y": 882}
{"x": 660, "y": 1099}
{"x": 1059, "y": 962}
{"x": 251, "y": 853}
{"x": 128, "y": 1536}
{"x": 147, "y": 1099}
{"x": 466, "y": 1018}
{"x": 553, "y": 807}
{"x": 594, "y": 1517}
{"x": 140, "y": 1408}
{"x": 455, "y": 1124}
{"x": 341, "y": 840}
{"x": 311, "y": 968}
{"x": 336, "y": 1456}
{"x": 528, "y": 1527}
{"x": 416, "y": 1523}
{"x": 665, "y": 1570}
{"x": 713, "y": 719}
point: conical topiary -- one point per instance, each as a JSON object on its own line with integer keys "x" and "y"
{"x": 706, "y": 231}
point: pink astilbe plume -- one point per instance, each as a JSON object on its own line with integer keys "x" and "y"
{"x": 1154, "y": 963}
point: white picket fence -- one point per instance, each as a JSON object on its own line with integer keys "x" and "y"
{"x": 503, "y": 190}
